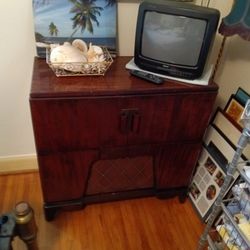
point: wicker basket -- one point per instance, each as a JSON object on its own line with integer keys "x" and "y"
{"x": 80, "y": 69}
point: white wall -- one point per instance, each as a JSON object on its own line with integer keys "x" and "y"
{"x": 233, "y": 70}
{"x": 127, "y": 16}
{"x": 17, "y": 49}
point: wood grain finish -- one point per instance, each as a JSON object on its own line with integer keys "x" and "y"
{"x": 117, "y": 81}
{"x": 141, "y": 224}
{"x": 63, "y": 176}
{"x": 79, "y": 121}
{"x": 171, "y": 156}
{"x": 88, "y": 123}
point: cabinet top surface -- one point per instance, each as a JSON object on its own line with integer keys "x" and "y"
{"x": 116, "y": 81}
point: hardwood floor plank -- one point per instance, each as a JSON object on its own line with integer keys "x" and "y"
{"x": 138, "y": 224}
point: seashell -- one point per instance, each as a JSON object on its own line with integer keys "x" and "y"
{"x": 94, "y": 50}
{"x": 96, "y": 58}
{"x": 80, "y": 44}
{"x": 98, "y": 50}
{"x": 67, "y": 44}
{"x": 101, "y": 58}
{"x": 54, "y": 45}
{"x": 93, "y": 59}
{"x": 65, "y": 54}
{"x": 91, "y": 53}
{"x": 94, "y": 53}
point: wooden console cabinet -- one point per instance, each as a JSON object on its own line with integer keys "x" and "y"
{"x": 116, "y": 136}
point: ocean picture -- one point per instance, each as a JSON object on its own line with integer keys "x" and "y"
{"x": 58, "y": 21}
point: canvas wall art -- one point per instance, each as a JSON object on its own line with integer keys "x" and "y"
{"x": 57, "y": 21}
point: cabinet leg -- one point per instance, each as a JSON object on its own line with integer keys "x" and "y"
{"x": 169, "y": 193}
{"x": 182, "y": 197}
{"x": 50, "y": 213}
{"x": 50, "y": 210}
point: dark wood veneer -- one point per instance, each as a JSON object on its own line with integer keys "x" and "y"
{"x": 78, "y": 121}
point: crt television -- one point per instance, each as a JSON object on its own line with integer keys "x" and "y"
{"x": 174, "y": 38}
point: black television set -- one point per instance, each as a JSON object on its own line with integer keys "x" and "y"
{"x": 174, "y": 38}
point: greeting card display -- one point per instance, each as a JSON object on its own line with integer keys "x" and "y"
{"x": 211, "y": 172}
{"x": 206, "y": 183}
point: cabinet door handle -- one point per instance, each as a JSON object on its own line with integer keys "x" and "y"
{"x": 124, "y": 121}
{"x": 130, "y": 121}
{"x": 136, "y": 122}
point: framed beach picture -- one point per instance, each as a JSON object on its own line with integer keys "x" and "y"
{"x": 58, "y": 21}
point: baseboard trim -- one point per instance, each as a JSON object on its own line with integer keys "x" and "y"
{"x": 18, "y": 164}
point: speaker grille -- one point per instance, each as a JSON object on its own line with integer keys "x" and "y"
{"x": 121, "y": 175}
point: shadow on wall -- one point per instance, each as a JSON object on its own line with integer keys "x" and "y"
{"x": 238, "y": 49}
{"x": 233, "y": 70}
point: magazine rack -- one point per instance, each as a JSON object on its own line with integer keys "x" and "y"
{"x": 235, "y": 228}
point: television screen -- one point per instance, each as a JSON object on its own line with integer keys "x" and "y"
{"x": 174, "y": 38}
{"x": 178, "y": 38}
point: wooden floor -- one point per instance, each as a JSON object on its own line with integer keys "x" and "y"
{"x": 138, "y": 224}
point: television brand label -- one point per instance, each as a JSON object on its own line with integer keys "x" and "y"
{"x": 165, "y": 66}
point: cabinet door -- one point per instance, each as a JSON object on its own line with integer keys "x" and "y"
{"x": 170, "y": 118}
{"x": 73, "y": 124}
{"x": 175, "y": 164}
{"x": 64, "y": 176}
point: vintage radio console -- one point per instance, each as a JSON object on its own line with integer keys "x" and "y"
{"x": 116, "y": 136}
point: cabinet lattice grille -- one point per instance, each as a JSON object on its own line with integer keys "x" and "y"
{"x": 120, "y": 175}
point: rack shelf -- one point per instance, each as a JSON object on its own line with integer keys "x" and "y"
{"x": 233, "y": 225}
{"x": 242, "y": 172}
{"x": 234, "y": 230}
{"x": 233, "y": 234}
{"x": 211, "y": 243}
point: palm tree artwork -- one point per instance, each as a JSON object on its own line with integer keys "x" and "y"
{"x": 53, "y": 31}
{"x": 57, "y": 21}
{"x": 40, "y": 2}
{"x": 86, "y": 12}
{"x": 37, "y": 3}
{"x": 110, "y": 2}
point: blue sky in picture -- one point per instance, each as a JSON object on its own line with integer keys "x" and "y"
{"x": 58, "y": 12}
